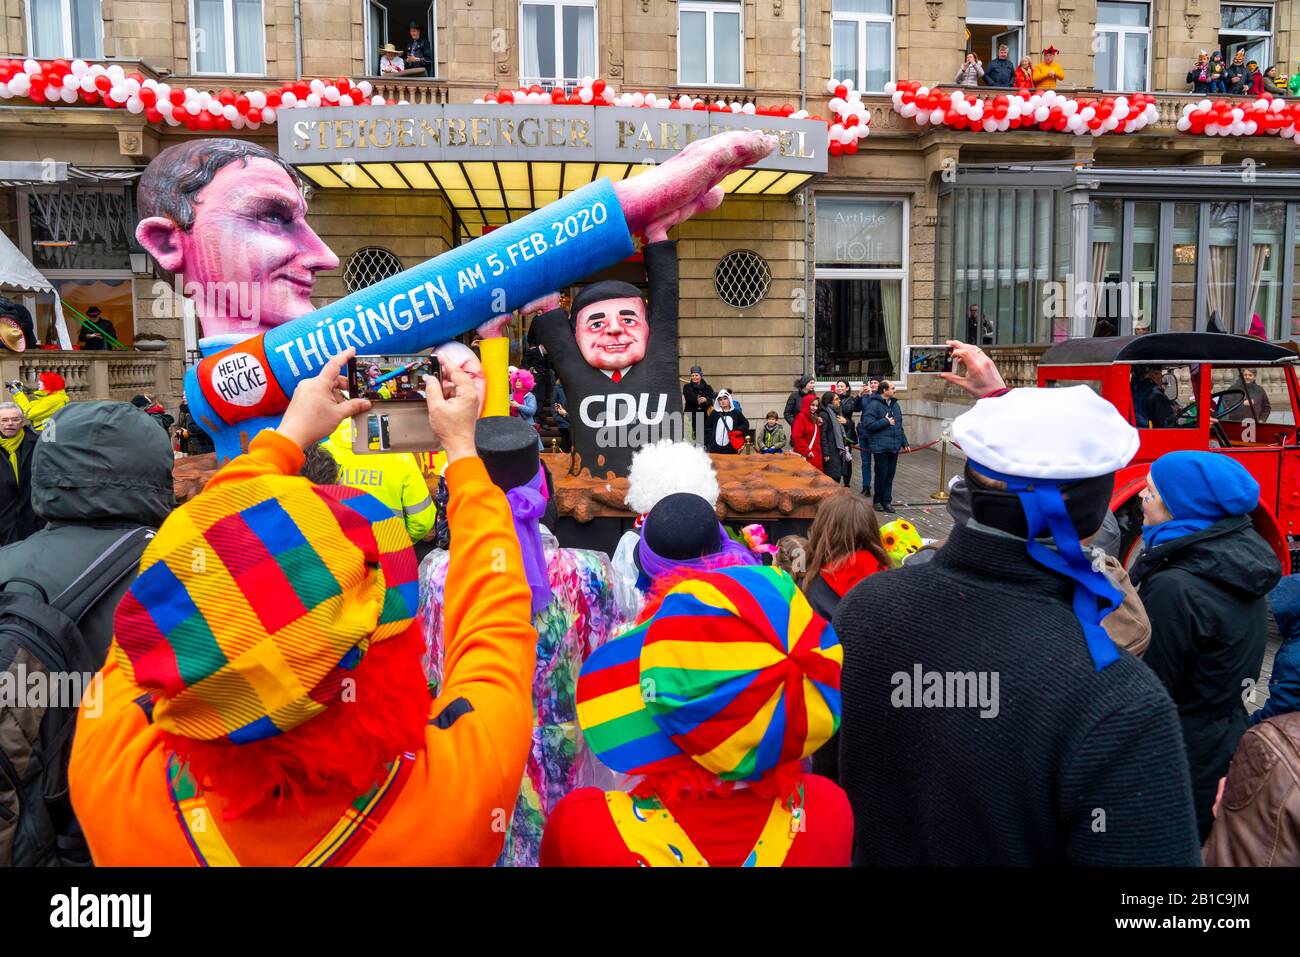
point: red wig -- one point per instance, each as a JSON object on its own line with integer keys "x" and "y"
{"x": 51, "y": 381}
{"x": 345, "y": 748}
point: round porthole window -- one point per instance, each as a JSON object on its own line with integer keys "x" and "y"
{"x": 742, "y": 278}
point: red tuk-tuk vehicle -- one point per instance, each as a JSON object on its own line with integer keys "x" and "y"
{"x": 1228, "y": 394}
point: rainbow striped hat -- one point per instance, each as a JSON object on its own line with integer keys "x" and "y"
{"x": 256, "y": 599}
{"x": 735, "y": 672}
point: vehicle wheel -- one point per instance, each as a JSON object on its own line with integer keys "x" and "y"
{"x": 1129, "y": 516}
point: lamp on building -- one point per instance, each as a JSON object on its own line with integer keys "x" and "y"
{"x": 139, "y": 259}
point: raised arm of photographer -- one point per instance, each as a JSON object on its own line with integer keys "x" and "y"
{"x": 982, "y": 377}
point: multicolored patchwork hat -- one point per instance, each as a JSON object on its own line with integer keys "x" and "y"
{"x": 256, "y": 599}
{"x": 735, "y": 673}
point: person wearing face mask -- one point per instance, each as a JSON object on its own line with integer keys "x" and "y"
{"x": 1238, "y": 76}
{"x": 1204, "y": 578}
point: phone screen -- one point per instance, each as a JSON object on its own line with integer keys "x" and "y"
{"x": 390, "y": 378}
{"x": 927, "y": 360}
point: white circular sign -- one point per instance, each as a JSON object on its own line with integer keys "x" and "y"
{"x": 240, "y": 379}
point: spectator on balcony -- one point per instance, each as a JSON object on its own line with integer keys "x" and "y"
{"x": 1271, "y": 84}
{"x": 1254, "y": 79}
{"x": 1201, "y": 76}
{"x": 390, "y": 62}
{"x": 97, "y": 334}
{"x": 1218, "y": 73}
{"x": 1048, "y": 73}
{"x": 1025, "y": 74}
{"x": 1238, "y": 75}
{"x": 17, "y": 442}
{"x": 418, "y": 56}
{"x": 1000, "y": 72}
{"x": 971, "y": 72}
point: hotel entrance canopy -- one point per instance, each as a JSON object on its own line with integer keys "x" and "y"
{"x": 496, "y": 163}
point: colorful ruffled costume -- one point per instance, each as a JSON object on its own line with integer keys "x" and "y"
{"x": 580, "y": 617}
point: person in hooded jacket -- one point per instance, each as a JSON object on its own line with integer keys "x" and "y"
{"x": 1203, "y": 578}
{"x": 155, "y": 411}
{"x": 725, "y": 420}
{"x": 1284, "y": 679}
{"x": 109, "y": 472}
{"x": 834, "y": 450}
{"x": 805, "y": 432}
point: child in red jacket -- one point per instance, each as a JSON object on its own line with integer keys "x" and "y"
{"x": 805, "y": 434}
{"x": 715, "y": 698}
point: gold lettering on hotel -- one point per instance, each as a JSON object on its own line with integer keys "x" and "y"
{"x": 479, "y": 135}
{"x": 405, "y": 130}
{"x": 430, "y": 132}
{"x": 455, "y": 130}
{"x": 578, "y": 134}
{"x": 505, "y": 131}
{"x": 554, "y": 132}
{"x": 530, "y": 132}
{"x": 387, "y": 141}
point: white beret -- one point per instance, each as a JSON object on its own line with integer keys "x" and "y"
{"x": 1062, "y": 434}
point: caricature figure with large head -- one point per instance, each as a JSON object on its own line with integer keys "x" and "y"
{"x": 229, "y": 219}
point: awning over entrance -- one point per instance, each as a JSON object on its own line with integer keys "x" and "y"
{"x": 498, "y": 163}
{"x": 17, "y": 272}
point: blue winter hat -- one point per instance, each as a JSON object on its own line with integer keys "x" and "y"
{"x": 1205, "y": 486}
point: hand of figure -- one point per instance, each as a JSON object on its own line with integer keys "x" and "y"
{"x": 319, "y": 404}
{"x": 658, "y": 199}
{"x": 982, "y": 376}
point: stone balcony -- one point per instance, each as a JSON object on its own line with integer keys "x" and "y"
{"x": 93, "y": 375}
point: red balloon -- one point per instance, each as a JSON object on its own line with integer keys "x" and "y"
{"x": 222, "y": 123}
{"x": 536, "y": 88}
{"x": 301, "y": 90}
{"x": 254, "y": 115}
{"x": 841, "y": 91}
{"x": 598, "y": 87}
{"x": 344, "y": 84}
{"x": 557, "y": 95}
{"x": 272, "y": 98}
{"x": 148, "y": 96}
{"x": 153, "y": 116}
{"x": 699, "y": 106}
{"x": 241, "y": 103}
{"x": 851, "y": 147}
{"x": 358, "y": 97}
{"x": 505, "y": 96}
{"x": 836, "y": 148}
{"x": 92, "y": 97}
{"x": 103, "y": 84}
{"x": 226, "y": 97}
{"x": 851, "y": 120}
{"x": 951, "y": 117}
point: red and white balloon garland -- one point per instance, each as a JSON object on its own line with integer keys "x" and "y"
{"x": 851, "y": 121}
{"x": 1022, "y": 109}
{"x": 1267, "y": 116}
{"x": 76, "y": 81}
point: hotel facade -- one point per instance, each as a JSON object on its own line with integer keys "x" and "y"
{"x": 824, "y": 264}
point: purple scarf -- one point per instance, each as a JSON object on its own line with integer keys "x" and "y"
{"x": 527, "y": 504}
{"x": 654, "y": 566}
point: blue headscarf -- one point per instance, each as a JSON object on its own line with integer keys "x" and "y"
{"x": 1045, "y": 513}
{"x": 1199, "y": 489}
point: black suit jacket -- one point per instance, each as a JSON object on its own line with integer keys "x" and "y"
{"x": 603, "y": 442}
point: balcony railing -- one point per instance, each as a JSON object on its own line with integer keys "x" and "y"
{"x": 89, "y": 376}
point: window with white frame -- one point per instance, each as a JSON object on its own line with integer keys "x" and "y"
{"x": 227, "y": 37}
{"x": 710, "y": 38}
{"x": 1247, "y": 27}
{"x": 862, "y": 42}
{"x": 993, "y": 23}
{"x": 557, "y": 42}
{"x": 65, "y": 28}
{"x": 1122, "y": 43}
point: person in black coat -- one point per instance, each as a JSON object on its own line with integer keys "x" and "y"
{"x": 848, "y": 408}
{"x": 723, "y": 420}
{"x": 832, "y": 437}
{"x": 880, "y": 433}
{"x": 417, "y": 55}
{"x": 1204, "y": 579}
{"x": 621, "y": 352}
{"x": 1001, "y": 72}
{"x": 17, "y": 443}
{"x": 794, "y": 401}
{"x": 697, "y": 400}
{"x": 995, "y": 725}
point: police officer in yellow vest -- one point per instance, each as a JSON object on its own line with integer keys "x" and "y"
{"x": 392, "y": 477}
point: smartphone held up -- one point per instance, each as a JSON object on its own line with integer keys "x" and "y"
{"x": 398, "y": 419}
{"x": 929, "y": 360}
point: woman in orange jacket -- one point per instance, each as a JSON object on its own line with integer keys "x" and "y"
{"x": 263, "y": 701}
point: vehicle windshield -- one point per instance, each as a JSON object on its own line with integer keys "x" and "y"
{"x": 1253, "y": 394}
{"x": 1164, "y": 397}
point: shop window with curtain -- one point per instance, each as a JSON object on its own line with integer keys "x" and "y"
{"x": 861, "y": 279}
{"x": 992, "y": 23}
{"x": 862, "y": 42}
{"x": 65, "y": 28}
{"x": 710, "y": 42}
{"x": 557, "y": 43}
{"x": 1105, "y": 293}
{"x": 1295, "y": 272}
{"x": 227, "y": 37}
{"x": 1221, "y": 278}
{"x": 1247, "y": 27}
{"x": 1144, "y": 267}
{"x": 1267, "y": 261}
{"x": 1122, "y": 42}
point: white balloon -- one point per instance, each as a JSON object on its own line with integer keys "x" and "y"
{"x": 317, "y": 86}
{"x": 922, "y": 92}
{"x": 118, "y": 94}
{"x": 230, "y": 113}
{"x": 256, "y": 99}
{"x": 88, "y": 84}
{"x": 116, "y": 72}
{"x": 587, "y": 80}
{"x": 193, "y": 108}
{"x": 70, "y": 82}
{"x": 1204, "y": 105}
{"x": 908, "y": 110}
{"x": 832, "y": 83}
{"x": 1251, "y": 127}
{"x": 332, "y": 94}
{"x": 31, "y": 67}
{"x": 163, "y": 91}
{"x": 749, "y": 109}
{"x": 890, "y": 87}
{"x": 134, "y": 105}
{"x": 79, "y": 68}
{"x": 238, "y": 122}
{"x": 132, "y": 86}
{"x": 650, "y": 99}
{"x": 366, "y": 87}
{"x": 922, "y": 117}
{"x": 215, "y": 107}
{"x": 1041, "y": 114}
{"x": 586, "y": 94}
{"x": 936, "y": 117}
{"x": 377, "y": 101}
{"x": 20, "y": 84}
{"x": 848, "y": 84}
{"x": 268, "y": 116}
{"x": 313, "y": 99}
{"x": 4, "y": 91}
{"x": 67, "y": 95}
{"x": 638, "y": 99}
{"x": 836, "y": 104}
{"x": 172, "y": 119}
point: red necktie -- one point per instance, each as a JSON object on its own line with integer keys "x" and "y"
{"x": 617, "y": 376}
